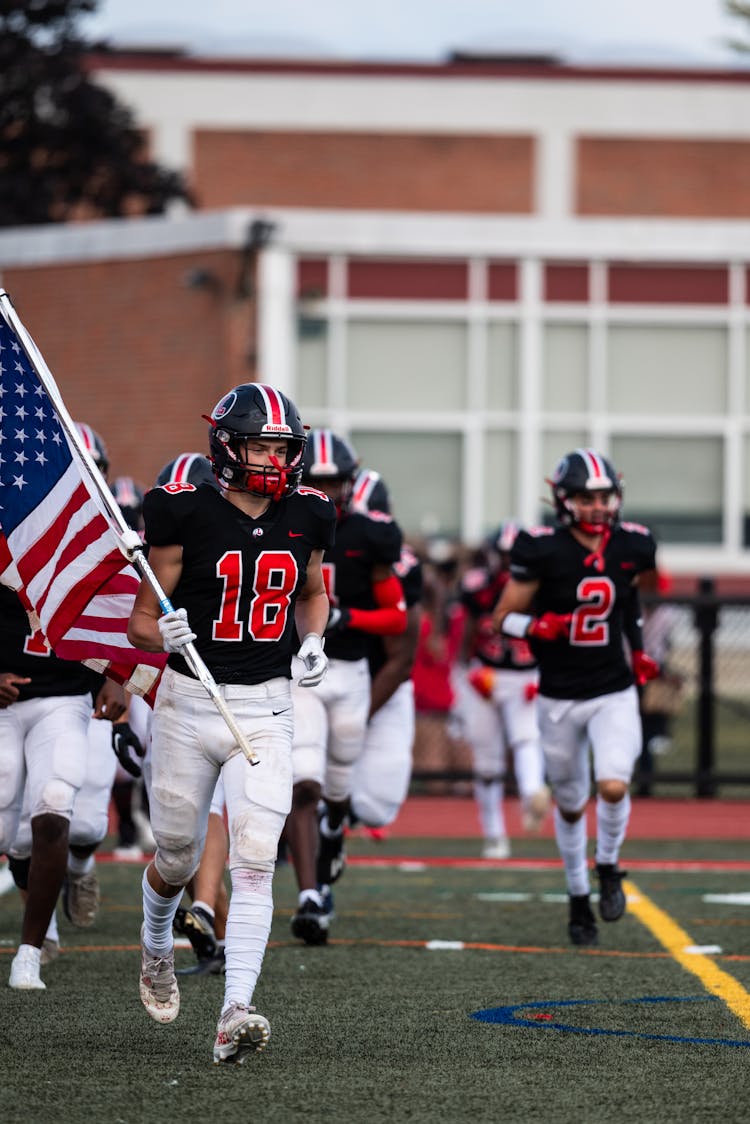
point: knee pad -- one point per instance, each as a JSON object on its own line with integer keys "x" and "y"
{"x": 176, "y": 860}
{"x": 254, "y": 839}
{"x": 57, "y": 799}
{"x": 373, "y": 812}
{"x": 19, "y": 868}
{"x": 87, "y": 830}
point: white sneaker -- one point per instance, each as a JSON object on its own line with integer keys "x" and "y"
{"x": 160, "y": 994}
{"x": 24, "y": 970}
{"x": 6, "y": 879}
{"x": 496, "y": 848}
{"x": 535, "y": 809}
{"x": 131, "y": 854}
{"x": 240, "y": 1031}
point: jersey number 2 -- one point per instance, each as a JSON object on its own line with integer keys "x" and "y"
{"x": 590, "y": 624}
{"x": 274, "y": 581}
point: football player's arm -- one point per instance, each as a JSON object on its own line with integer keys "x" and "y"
{"x": 512, "y": 617}
{"x": 400, "y": 654}
{"x": 644, "y": 667}
{"x": 110, "y": 701}
{"x": 143, "y": 626}
{"x": 311, "y": 609}
{"x": 9, "y": 684}
{"x": 517, "y": 597}
{"x": 388, "y": 619}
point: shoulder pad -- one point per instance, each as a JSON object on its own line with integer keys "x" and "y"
{"x": 378, "y": 516}
{"x": 305, "y": 490}
{"x": 537, "y": 532}
{"x": 636, "y": 528}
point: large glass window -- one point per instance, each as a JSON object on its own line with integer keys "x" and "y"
{"x": 565, "y": 368}
{"x": 667, "y": 370}
{"x": 423, "y": 474}
{"x": 312, "y": 361}
{"x": 502, "y": 372}
{"x": 673, "y": 484}
{"x": 413, "y": 365}
{"x": 500, "y": 472}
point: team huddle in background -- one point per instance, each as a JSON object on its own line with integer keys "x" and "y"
{"x": 287, "y": 573}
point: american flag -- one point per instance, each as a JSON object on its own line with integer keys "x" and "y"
{"x": 58, "y": 548}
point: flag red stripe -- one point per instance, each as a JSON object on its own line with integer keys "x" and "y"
{"x": 78, "y": 598}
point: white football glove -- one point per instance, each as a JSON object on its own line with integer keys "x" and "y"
{"x": 314, "y": 658}
{"x": 175, "y": 630}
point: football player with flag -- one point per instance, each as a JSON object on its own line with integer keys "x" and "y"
{"x": 69, "y": 590}
{"x": 573, "y": 595}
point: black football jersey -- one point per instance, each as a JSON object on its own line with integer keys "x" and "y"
{"x": 479, "y": 594}
{"x": 363, "y": 540}
{"x": 240, "y": 576}
{"x": 26, "y": 653}
{"x": 408, "y": 570}
{"x": 592, "y": 661}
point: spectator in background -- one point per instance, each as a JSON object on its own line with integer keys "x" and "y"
{"x": 660, "y": 697}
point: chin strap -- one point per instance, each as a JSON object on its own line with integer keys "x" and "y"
{"x": 596, "y": 558}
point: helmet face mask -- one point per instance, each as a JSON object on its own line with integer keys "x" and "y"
{"x": 254, "y": 414}
{"x": 587, "y": 491}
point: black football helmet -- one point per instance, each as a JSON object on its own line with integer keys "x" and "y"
{"x": 187, "y": 468}
{"x": 499, "y": 543}
{"x": 95, "y": 446}
{"x": 585, "y": 470}
{"x": 255, "y": 410}
{"x": 129, "y": 499}
{"x": 329, "y": 459}
{"x": 369, "y": 492}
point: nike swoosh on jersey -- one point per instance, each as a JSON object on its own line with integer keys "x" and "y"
{"x": 296, "y": 534}
{"x": 353, "y": 553}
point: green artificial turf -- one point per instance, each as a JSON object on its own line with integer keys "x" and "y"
{"x": 376, "y": 1027}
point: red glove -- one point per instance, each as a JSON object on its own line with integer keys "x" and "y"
{"x": 482, "y": 679}
{"x": 551, "y": 626}
{"x": 644, "y": 668}
{"x": 530, "y": 691}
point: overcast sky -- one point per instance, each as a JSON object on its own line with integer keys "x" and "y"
{"x": 629, "y": 31}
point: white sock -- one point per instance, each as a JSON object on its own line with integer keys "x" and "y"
{"x": 571, "y": 843}
{"x": 611, "y": 825}
{"x": 80, "y": 866}
{"x": 489, "y": 796}
{"x": 205, "y": 907}
{"x": 248, "y": 927}
{"x": 305, "y": 895}
{"x": 158, "y": 915}
{"x": 52, "y": 933}
{"x": 328, "y": 831}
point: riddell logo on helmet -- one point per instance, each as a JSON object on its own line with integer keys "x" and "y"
{"x": 269, "y": 427}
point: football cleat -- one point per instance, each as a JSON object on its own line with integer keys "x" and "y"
{"x": 240, "y": 1031}
{"x": 197, "y": 925}
{"x": 80, "y": 898}
{"x": 311, "y": 922}
{"x": 496, "y": 848}
{"x": 611, "y": 894}
{"x": 582, "y": 928}
{"x": 24, "y": 969}
{"x": 158, "y": 985}
{"x": 331, "y": 857}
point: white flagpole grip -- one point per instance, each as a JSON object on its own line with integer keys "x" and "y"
{"x": 128, "y": 547}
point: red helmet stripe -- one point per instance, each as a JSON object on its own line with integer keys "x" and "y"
{"x": 323, "y": 447}
{"x": 181, "y": 468}
{"x": 597, "y": 472}
{"x": 275, "y": 411}
{"x": 363, "y": 486}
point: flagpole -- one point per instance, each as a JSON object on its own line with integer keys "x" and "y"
{"x": 130, "y": 542}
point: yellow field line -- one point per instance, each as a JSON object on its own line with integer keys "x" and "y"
{"x": 676, "y": 941}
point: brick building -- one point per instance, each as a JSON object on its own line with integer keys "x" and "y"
{"x": 469, "y": 268}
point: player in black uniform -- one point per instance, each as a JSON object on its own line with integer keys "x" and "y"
{"x": 45, "y": 711}
{"x": 580, "y": 580}
{"x": 331, "y": 721}
{"x": 242, "y": 567}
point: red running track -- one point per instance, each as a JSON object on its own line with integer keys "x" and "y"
{"x": 455, "y": 817}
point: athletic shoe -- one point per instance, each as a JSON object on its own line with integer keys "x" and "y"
{"x": 24, "y": 969}
{"x": 158, "y": 985}
{"x": 582, "y": 923}
{"x": 310, "y": 923}
{"x": 131, "y": 853}
{"x": 331, "y": 857}
{"x": 611, "y": 894}
{"x": 240, "y": 1031}
{"x": 496, "y": 848}
{"x": 50, "y": 951}
{"x": 81, "y": 898}
{"x": 535, "y": 809}
{"x": 197, "y": 925}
